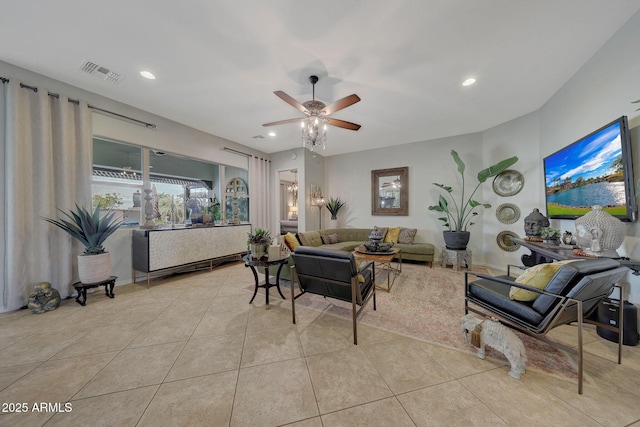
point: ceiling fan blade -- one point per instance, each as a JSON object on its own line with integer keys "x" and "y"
{"x": 289, "y": 100}
{"x": 281, "y": 122}
{"x": 342, "y": 124}
{"x": 341, "y": 103}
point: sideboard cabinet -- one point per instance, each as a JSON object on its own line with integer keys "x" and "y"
{"x": 164, "y": 249}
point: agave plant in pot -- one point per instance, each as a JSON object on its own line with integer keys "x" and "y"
{"x": 90, "y": 229}
{"x": 459, "y": 212}
{"x": 333, "y": 206}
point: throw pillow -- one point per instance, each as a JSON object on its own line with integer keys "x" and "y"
{"x": 382, "y": 231}
{"x": 303, "y": 240}
{"x": 291, "y": 241}
{"x": 407, "y": 235}
{"x": 330, "y": 238}
{"x": 537, "y": 277}
{"x": 392, "y": 235}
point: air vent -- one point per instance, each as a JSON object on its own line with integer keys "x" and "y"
{"x": 102, "y": 72}
{"x": 258, "y": 137}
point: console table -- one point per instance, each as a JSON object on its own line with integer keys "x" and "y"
{"x": 541, "y": 252}
{"x": 163, "y": 249}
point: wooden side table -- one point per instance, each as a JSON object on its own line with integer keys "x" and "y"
{"x": 81, "y": 288}
{"x": 456, "y": 258}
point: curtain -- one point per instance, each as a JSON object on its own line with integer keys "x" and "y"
{"x": 47, "y": 157}
{"x": 259, "y": 193}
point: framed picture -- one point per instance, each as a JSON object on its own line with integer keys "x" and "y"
{"x": 390, "y": 191}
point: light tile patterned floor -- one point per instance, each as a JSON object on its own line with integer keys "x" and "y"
{"x": 191, "y": 351}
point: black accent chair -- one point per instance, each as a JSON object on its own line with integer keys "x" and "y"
{"x": 572, "y": 295}
{"x": 334, "y": 274}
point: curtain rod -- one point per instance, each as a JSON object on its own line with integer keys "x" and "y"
{"x": 75, "y": 101}
{"x": 243, "y": 154}
{"x": 237, "y": 152}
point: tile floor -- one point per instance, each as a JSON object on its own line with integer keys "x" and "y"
{"x": 191, "y": 351}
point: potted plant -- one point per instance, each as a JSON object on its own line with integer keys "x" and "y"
{"x": 334, "y": 205}
{"x": 550, "y": 235}
{"x": 259, "y": 241}
{"x": 461, "y": 211}
{"x": 94, "y": 265}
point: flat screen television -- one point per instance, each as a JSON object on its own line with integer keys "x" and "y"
{"x": 595, "y": 170}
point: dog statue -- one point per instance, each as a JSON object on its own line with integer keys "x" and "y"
{"x": 492, "y": 333}
{"x": 43, "y": 298}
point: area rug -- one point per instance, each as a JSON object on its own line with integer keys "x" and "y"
{"x": 427, "y": 304}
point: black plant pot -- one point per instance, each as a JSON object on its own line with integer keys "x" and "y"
{"x": 456, "y": 239}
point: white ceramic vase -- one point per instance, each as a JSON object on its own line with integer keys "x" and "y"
{"x": 333, "y": 223}
{"x": 94, "y": 268}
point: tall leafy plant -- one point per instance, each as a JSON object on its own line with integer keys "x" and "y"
{"x": 459, "y": 211}
{"x": 88, "y": 228}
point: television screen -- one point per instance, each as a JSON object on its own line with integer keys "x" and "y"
{"x": 595, "y": 170}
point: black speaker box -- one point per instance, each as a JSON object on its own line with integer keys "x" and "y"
{"x": 608, "y": 314}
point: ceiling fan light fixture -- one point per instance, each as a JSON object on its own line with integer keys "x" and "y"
{"x": 313, "y": 128}
{"x": 313, "y": 132}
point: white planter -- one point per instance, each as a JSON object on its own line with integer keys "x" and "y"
{"x": 94, "y": 268}
{"x": 333, "y": 223}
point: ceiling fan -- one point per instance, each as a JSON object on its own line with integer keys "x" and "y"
{"x": 317, "y": 109}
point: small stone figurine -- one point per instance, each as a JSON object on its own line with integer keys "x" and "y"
{"x": 43, "y": 298}
{"x": 533, "y": 225}
{"x": 567, "y": 238}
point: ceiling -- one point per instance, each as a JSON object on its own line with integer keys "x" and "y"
{"x": 217, "y": 63}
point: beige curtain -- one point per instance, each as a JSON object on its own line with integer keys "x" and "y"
{"x": 259, "y": 194}
{"x": 46, "y": 152}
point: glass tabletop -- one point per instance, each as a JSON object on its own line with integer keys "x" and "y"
{"x": 265, "y": 262}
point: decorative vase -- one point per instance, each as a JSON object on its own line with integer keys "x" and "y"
{"x": 333, "y": 223}
{"x": 457, "y": 240}
{"x": 554, "y": 242}
{"x": 137, "y": 199}
{"x": 94, "y": 268}
{"x": 599, "y": 232}
{"x": 259, "y": 250}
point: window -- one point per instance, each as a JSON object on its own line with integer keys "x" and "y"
{"x": 182, "y": 188}
{"x": 117, "y": 179}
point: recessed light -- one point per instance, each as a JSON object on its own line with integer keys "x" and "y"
{"x": 272, "y": 133}
{"x": 469, "y": 81}
{"x": 147, "y": 75}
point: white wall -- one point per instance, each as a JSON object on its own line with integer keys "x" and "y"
{"x": 349, "y": 177}
{"x": 598, "y": 93}
{"x": 519, "y": 137}
{"x": 168, "y": 136}
{"x": 601, "y": 91}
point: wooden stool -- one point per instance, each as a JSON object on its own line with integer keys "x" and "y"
{"x": 456, "y": 258}
{"x": 81, "y": 288}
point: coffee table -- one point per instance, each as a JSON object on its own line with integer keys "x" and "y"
{"x": 384, "y": 260}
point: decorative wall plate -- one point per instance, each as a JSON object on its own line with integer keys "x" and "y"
{"x": 508, "y": 213}
{"x": 505, "y": 241}
{"x": 508, "y": 183}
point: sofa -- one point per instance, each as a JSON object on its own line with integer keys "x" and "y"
{"x": 288, "y": 226}
{"x": 351, "y": 238}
